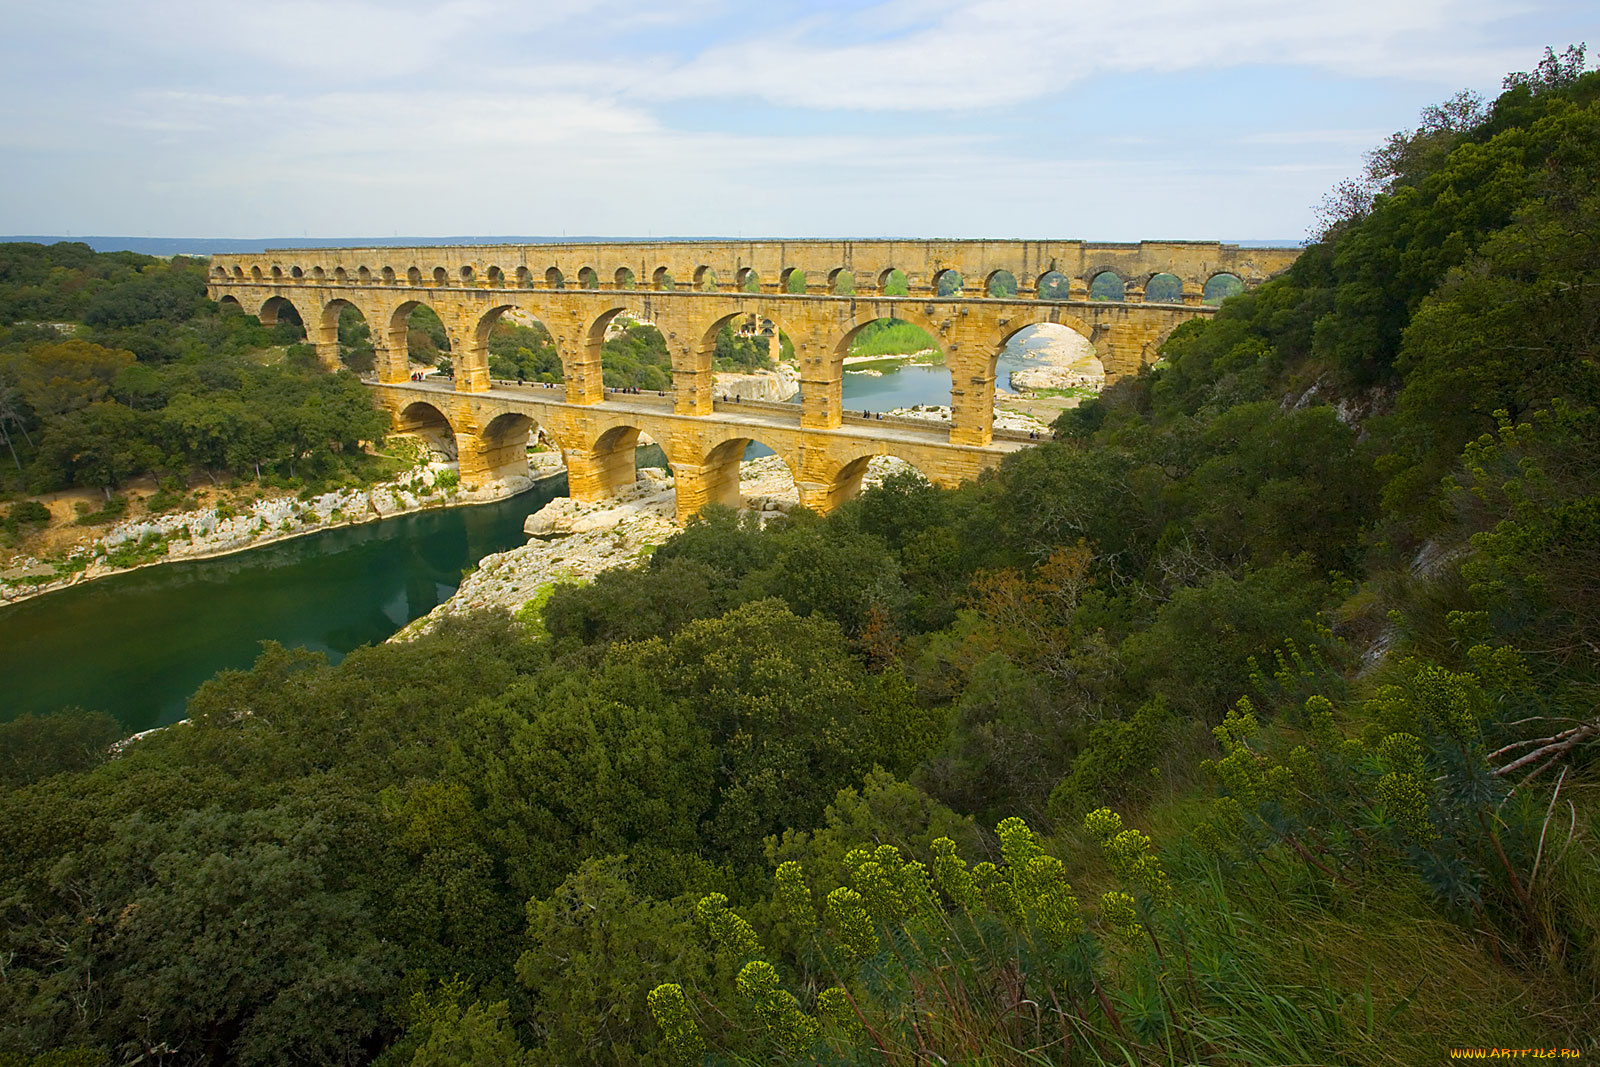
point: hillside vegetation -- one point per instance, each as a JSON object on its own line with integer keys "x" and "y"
{"x": 115, "y": 365}
{"x": 1252, "y": 722}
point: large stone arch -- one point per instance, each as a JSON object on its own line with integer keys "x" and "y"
{"x": 714, "y": 479}
{"x": 397, "y": 322}
{"x": 845, "y": 480}
{"x": 603, "y": 465}
{"x": 272, "y": 309}
{"x": 475, "y": 355}
{"x": 541, "y": 312}
{"x": 394, "y": 333}
{"x": 324, "y": 330}
{"x": 428, "y": 423}
{"x": 502, "y": 448}
{"x": 585, "y": 378}
{"x": 1047, "y": 316}
{"x": 693, "y": 368}
{"x": 866, "y": 313}
{"x": 1094, "y": 277}
{"x": 1017, "y": 321}
{"x": 822, "y": 387}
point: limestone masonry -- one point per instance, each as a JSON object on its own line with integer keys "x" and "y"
{"x": 691, "y": 290}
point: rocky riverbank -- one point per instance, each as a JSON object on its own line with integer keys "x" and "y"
{"x": 1003, "y": 419}
{"x": 217, "y": 531}
{"x": 573, "y": 542}
{"x": 776, "y": 385}
{"x": 1065, "y": 364}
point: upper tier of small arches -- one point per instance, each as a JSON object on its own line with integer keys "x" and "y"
{"x": 1154, "y": 287}
{"x": 1152, "y": 272}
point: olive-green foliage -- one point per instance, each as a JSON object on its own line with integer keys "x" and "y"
{"x": 884, "y": 809}
{"x": 637, "y": 358}
{"x": 1195, "y": 653}
{"x": 157, "y": 379}
{"x": 731, "y": 544}
{"x": 523, "y": 353}
{"x": 228, "y": 415}
{"x": 444, "y": 1031}
{"x": 624, "y": 605}
{"x": 1529, "y": 499}
{"x": 36, "y": 746}
{"x": 21, "y": 517}
{"x": 596, "y": 948}
{"x": 793, "y": 714}
{"x": 1120, "y": 760}
{"x": 355, "y": 341}
{"x": 733, "y": 352}
{"x": 427, "y": 341}
{"x": 1387, "y": 265}
{"x": 848, "y": 577}
{"x": 69, "y": 282}
{"x": 77, "y": 1056}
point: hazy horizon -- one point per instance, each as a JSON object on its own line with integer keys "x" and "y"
{"x": 166, "y": 246}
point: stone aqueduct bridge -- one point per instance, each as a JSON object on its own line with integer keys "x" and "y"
{"x": 690, "y": 290}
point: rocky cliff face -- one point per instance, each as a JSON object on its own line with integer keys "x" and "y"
{"x": 776, "y": 385}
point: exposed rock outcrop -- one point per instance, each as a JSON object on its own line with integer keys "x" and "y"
{"x": 776, "y": 385}
{"x": 1003, "y": 419}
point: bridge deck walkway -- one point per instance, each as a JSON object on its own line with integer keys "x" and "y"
{"x": 754, "y": 415}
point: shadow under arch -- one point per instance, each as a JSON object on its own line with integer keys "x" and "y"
{"x": 428, "y": 424}
{"x": 608, "y": 465}
{"x": 503, "y": 444}
{"x": 280, "y": 310}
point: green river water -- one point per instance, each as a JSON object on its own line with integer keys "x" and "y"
{"x": 136, "y": 645}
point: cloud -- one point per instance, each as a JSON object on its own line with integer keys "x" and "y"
{"x": 961, "y": 117}
{"x": 997, "y": 53}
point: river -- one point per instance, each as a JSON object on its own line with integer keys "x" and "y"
{"x": 137, "y": 644}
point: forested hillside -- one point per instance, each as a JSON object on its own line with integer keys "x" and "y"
{"x": 1253, "y": 721}
{"x": 115, "y": 365}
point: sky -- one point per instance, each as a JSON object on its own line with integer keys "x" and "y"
{"x": 1158, "y": 119}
